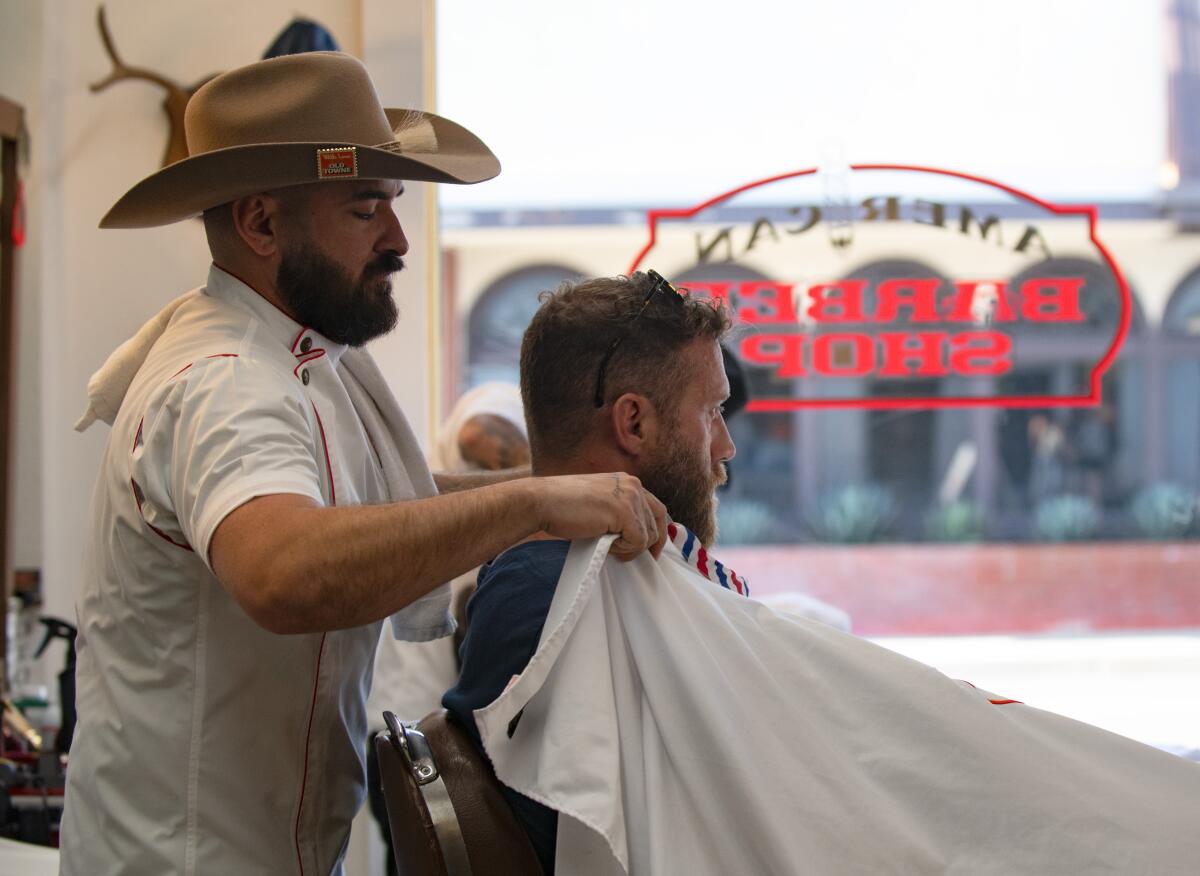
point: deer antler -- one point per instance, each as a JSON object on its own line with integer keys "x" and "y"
{"x": 120, "y": 69}
{"x": 174, "y": 103}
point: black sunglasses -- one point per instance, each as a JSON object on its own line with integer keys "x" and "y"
{"x": 658, "y": 283}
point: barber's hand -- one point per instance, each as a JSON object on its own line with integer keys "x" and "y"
{"x": 587, "y": 506}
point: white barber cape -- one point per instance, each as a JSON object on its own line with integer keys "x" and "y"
{"x": 683, "y": 729}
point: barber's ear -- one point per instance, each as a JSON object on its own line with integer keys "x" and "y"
{"x": 256, "y": 219}
{"x": 634, "y": 422}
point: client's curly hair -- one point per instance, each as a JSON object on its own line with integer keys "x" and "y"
{"x": 569, "y": 336}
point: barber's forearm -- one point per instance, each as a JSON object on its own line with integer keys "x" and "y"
{"x": 448, "y": 482}
{"x": 312, "y": 569}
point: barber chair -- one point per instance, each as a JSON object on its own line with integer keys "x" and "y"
{"x": 444, "y": 806}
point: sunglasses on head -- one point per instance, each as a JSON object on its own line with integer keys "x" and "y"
{"x": 658, "y": 283}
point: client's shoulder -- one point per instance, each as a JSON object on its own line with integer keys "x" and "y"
{"x": 531, "y": 563}
{"x": 515, "y": 590}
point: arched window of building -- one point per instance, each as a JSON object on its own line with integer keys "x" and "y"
{"x": 1099, "y": 298}
{"x": 905, "y": 452}
{"x": 1182, "y": 316}
{"x": 1098, "y": 453}
{"x": 1181, "y": 362}
{"x": 499, "y": 317}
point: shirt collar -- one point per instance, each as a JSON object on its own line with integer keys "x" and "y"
{"x": 301, "y": 340}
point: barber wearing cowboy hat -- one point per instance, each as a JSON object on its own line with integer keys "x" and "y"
{"x": 262, "y": 504}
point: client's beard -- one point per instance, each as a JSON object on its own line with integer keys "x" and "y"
{"x": 321, "y": 294}
{"x": 683, "y": 481}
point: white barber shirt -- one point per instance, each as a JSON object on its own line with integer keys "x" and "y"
{"x": 205, "y": 743}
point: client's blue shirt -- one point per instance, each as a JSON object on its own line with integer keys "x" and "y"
{"x": 505, "y": 619}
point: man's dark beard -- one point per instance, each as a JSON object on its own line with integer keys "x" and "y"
{"x": 685, "y": 482}
{"x": 320, "y": 294}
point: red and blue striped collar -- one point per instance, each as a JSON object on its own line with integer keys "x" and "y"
{"x": 699, "y": 559}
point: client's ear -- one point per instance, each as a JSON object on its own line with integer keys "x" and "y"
{"x": 634, "y": 421}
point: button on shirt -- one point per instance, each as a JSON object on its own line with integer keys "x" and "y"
{"x": 205, "y": 743}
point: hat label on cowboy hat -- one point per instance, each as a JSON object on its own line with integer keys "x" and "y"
{"x": 339, "y": 163}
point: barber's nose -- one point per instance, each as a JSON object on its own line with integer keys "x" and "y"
{"x": 394, "y": 238}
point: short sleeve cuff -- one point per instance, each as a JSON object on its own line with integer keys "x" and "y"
{"x": 224, "y": 502}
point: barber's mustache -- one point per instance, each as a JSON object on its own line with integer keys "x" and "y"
{"x": 388, "y": 263}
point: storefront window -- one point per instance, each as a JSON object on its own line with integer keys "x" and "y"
{"x": 497, "y": 319}
{"x": 1037, "y": 473}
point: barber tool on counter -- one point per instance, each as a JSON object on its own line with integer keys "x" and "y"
{"x": 32, "y": 773}
{"x": 56, "y": 628}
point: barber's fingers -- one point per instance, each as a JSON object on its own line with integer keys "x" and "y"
{"x": 632, "y": 538}
{"x": 661, "y": 521}
{"x": 586, "y": 506}
{"x": 590, "y": 505}
{"x": 643, "y": 523}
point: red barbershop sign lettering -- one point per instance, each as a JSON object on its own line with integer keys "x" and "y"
{"x": 954, "y": 344}
{"x": 891, "y": 319}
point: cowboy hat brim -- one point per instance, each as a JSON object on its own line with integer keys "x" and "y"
{"x": 192, "y": 185}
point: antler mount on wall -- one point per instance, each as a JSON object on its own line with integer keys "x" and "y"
{"x": 173, "y": 104}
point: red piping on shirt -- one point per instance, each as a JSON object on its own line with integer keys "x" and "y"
{"x": 137, "y": 496}
{"x": 297, "y": 340}
{"x": 312, "y": 710}
{"x": 315, "y": 354}
{"x": 137, "y": 439}
{"x": 138, "y": 501}
{"x": 328, "y": 464}
{"x": 213, "y": 356}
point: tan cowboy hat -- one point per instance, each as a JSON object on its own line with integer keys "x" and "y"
{"x": 291, "y": 120}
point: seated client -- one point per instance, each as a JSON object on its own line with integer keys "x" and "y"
{"x": 620, "y": 374}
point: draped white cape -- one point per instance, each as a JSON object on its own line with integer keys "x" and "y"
{"x": 683, "y": 729}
